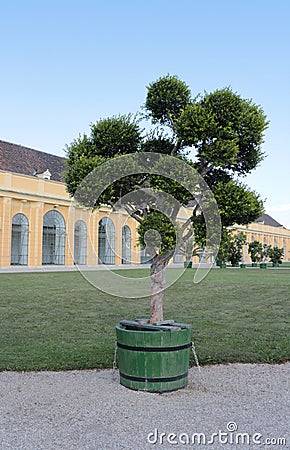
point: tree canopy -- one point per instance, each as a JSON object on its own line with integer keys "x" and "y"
{"x": 218, "y": 134}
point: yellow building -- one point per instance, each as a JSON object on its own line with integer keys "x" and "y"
{"x": 267, "y": 231}
{"x": 40, "y": 225}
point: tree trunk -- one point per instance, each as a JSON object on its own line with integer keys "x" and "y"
{"x": 157, "y": 275}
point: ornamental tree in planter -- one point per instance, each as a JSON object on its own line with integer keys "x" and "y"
{"x": 235, "y": 250}
{"x": 223, "y": 253}
{"x": 256, "y": 251}
{"x": 218, "y": 135}
{"x": 275, "y": 255}
{"x": 264, "y": 255}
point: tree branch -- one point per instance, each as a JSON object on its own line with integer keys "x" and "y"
{"x": 176, "y": 147}
{"x": 132, "y": 213}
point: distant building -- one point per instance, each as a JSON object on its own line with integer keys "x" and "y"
{"x": 268, "y": 231}
{"x": 41, "y": 225}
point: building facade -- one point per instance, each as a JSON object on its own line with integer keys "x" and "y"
{"x": 267, "y": 231}
{"x": 40, "y": 225}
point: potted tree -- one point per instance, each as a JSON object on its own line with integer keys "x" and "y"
{"x": 263, "y": 256}
{"x": 223, "y": 253}
{"x": 235, "y": 250}
{"x": 275, "y": 255}
{"x": 225, "y": 132}
{"x": 256, "y": 252}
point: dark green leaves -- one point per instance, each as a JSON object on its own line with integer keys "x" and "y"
{"x": 237, "y": 203}
{"x": 116, "y": 136}
{"x": 219, "y": 134}
{"x": 157, "y": 233}
{"x": 166, "y": 98}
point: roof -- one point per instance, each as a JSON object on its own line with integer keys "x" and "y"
{"x": 265, "y": 219}
{"x": 27, "y": 161}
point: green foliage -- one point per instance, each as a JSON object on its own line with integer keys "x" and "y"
{"x": 109, "y": 138}
{"x": 223, "y": 253}
{"x": 257, "y": 251}
{"x": 222, "y": 132}
{"x": 116, "y": 136}
{"x": 166, "y": 99}
{"x": 82, "y": 159}
{"x": 237, "y": 203}
{"x": 158, "y": 143}
{"x": 275, "y": 254}
{"x": 157, "y": 233}
{"x": 225, "y": 130}
{"x": 235, "y": 250}
{"x": 231, "y": 248}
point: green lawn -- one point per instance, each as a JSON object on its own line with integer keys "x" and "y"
{"x": 59, "y": 321}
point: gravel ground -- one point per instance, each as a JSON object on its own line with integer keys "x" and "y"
{"x": 91, "y": 410}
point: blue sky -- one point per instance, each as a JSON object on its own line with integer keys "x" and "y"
{"x": 66, "y": 64}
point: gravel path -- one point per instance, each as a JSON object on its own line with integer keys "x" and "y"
{"x": 90, "y": 410}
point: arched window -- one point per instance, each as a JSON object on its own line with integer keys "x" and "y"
{"x": 284, "y": 248}
{"x": 80, "y": 242}
{"x": 53, "y": 238}
{"x": 253, "y": 238}
{"x": 19, "y": 240}
{"x": 126, "y": 245}
{"x": 275, "y": 242}
{"x": 106, "y": 241}
{"x": 265, "y": 241}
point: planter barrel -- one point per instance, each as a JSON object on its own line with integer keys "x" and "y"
{"x": 187, "y": 265}
{"x": 223, "y": 266}
{"x": 263, "y": 266}
{"x": 243, "y": 266}
{"x": 154, "y": 359}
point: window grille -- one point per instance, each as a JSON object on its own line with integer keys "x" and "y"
{"x": 19, "y": 240}
{"x": 80, "y": 242}
{"x": 126, "y": 245}
{"x": 106, "y": 241}
{"x": 53, "y": 239}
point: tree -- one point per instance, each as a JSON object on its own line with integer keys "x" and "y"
{"x": 235, "y": 251}
{"x": 224, "y": 248}
{"x": 275, "y": 254}
{"x": 256, "y": 251}
{"x": 218, "y": 135}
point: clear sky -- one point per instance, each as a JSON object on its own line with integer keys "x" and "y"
{"x": 66, "y": 64}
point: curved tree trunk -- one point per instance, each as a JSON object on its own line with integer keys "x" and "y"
{"x": 158, "y": 282}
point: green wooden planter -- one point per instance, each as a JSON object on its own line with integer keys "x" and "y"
{"x": 154, "y": 360}
{"x": 187, "y": 265}
{"x": 263, "y": 266}
{"x": 243, "y": 266}
{"x": 223, "y": 266}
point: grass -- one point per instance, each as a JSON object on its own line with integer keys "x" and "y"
{"x": 58, "y": 321}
